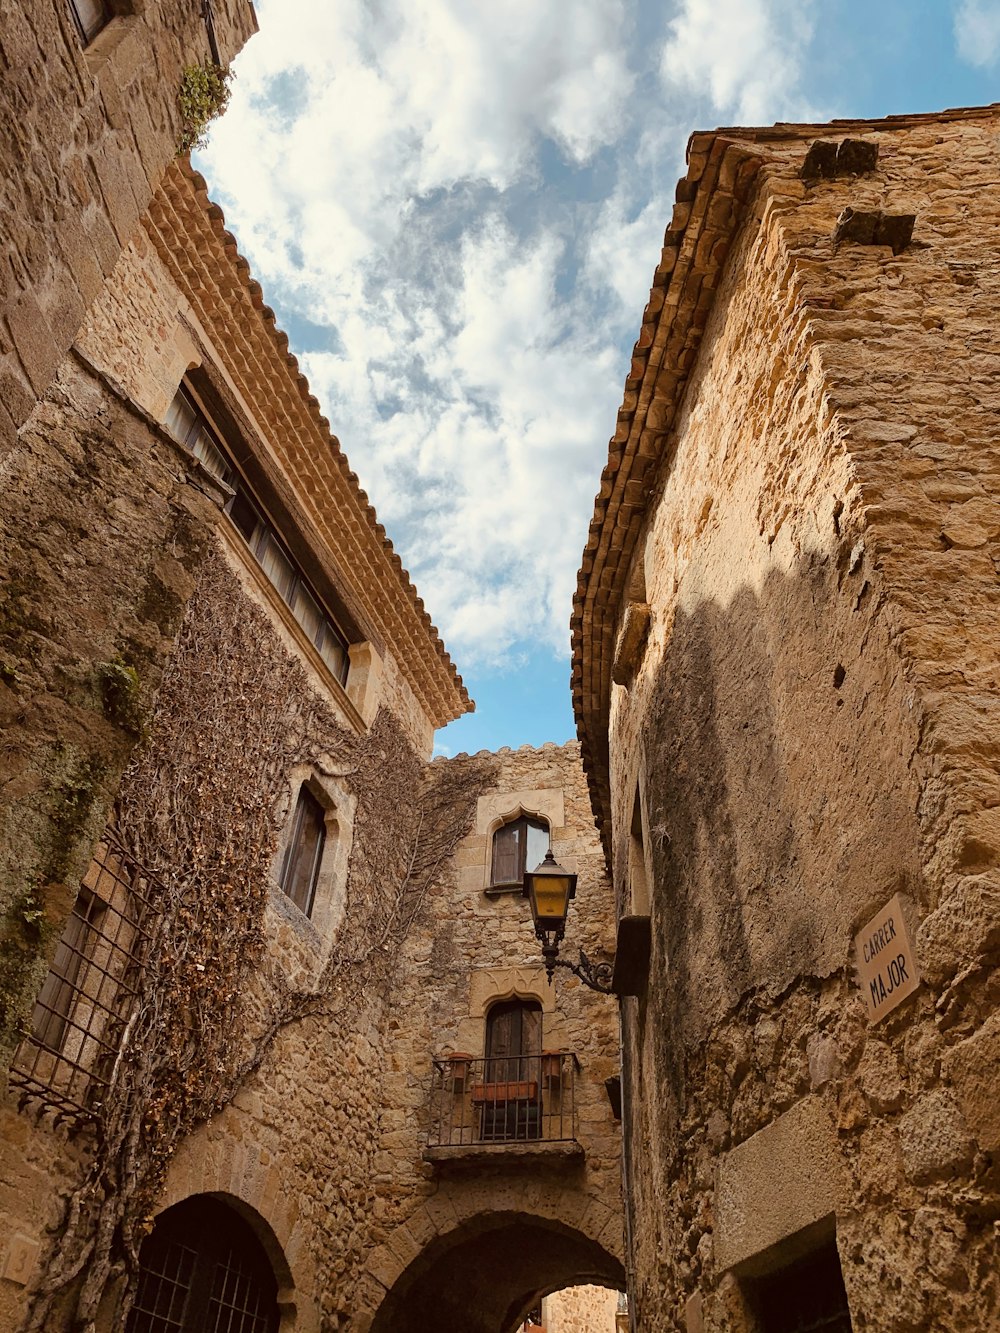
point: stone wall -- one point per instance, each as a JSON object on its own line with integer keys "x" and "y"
{"x": 140, "y": 639}
{"x": 810, "y": 731}
{"x": 580, "y": 1310}
{"x": 88, "y": 134}
{"x": 465, "y": 950}
{"x": 103, "y": 537}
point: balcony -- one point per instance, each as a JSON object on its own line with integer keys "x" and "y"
{"x": 519, "y": 1106}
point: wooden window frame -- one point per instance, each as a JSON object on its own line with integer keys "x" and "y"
{"x": 88, "y": 35}
{"x": 262, "y": 538}
{"x": 306, "y": 803}
{"x": 498, "y": 877}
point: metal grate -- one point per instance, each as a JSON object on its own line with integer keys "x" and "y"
{"x": 202, "y": 1270}
{"x": 164, "y": 1287}
{"x": 65, "y": 1062}
{"x": 503, "y": 1099}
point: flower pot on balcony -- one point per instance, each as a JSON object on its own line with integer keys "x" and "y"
{"x": 520, "y": 1090}
{"x": 459, "y": 1064}
{"x": 552, "y": 1069}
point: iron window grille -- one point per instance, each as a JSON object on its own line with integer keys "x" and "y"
{"x": 66, "y": 1061}
{"x": 189, "y": 425}
{"x": 202, "y": 1270}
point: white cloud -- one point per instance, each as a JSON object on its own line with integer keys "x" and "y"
{"x": 977, "y": 32}
{"x": 373, "y": 162}
{"x": 745, "y": 56}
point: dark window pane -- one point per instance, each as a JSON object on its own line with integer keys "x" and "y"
{"x": 244, "y": 516}
{"x": 277, "y": 566}
{"x": 61, "y": 988}
{"x": 202, "y": 1270}
{"x": 301, "y": 862}
{"x": 333, "y": 650}
{"x": 91, "y": 16}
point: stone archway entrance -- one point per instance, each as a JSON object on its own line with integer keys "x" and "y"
{"x": 483, "y": 1276}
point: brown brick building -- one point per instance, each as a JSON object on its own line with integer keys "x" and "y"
{"x": 786, "y": 680}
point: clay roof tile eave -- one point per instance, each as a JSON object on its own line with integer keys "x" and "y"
{"x": 405, "y": 625}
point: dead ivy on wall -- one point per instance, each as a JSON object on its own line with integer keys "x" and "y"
{"x": 200, "y": 808}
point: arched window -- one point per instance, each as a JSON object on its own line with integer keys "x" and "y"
{"x": 202, "y": 1270}
{"x": 518, "y": 846}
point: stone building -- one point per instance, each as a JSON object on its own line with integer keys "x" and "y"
{"x": 786, "y": 683}
{"x": 91, "y": 120}
{"x": 274, "y": 1015}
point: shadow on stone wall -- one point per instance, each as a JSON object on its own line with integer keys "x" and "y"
{"x": 780, "y": 799}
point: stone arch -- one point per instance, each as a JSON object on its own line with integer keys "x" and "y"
{"x": 218, "y": 1160}
{"x": 550, "y": 1200}
{"x": 533, "y": 810}
{"x": 486, "y": 1272}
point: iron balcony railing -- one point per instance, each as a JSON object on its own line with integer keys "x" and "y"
{"x": 503, "y": 1099}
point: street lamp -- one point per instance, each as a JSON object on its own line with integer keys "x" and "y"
{"x": 549, "y": 889}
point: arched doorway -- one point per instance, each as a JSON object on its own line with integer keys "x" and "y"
{"x": 483, "y": 1276}
{"x": 203, "y": 1270}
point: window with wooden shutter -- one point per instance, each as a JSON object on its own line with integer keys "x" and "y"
{"x": 518, "y": 846}
{"x": 304, "y": 851}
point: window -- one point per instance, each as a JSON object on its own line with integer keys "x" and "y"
{"x": 64, "y": 985}
{"x": 806, "y": 1296}
{"x": 510, "y": 1098}
{"x": 202, "y": 1270}
{"x": 518, "y": 846}
{"x": 304, "y": 851}
{"x": 638, "y": 882}
{"x": 190, "y": 427}
{"x": 90, "y": 16}
{"x": 88, "y": 994}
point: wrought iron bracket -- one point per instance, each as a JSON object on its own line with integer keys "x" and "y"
{"x": 595, "y": 976}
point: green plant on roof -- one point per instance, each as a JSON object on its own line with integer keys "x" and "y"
{"x": 204, "y": 95}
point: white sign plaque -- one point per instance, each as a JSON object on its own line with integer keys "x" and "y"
{"x": 887, "y": 964}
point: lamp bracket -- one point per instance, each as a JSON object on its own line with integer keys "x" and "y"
{"x": 595, "y": 976}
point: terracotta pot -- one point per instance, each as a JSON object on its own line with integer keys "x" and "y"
{"x": 552, "y": 1068}
{"x": 525, "y": 1090}
{"x": 459, "y": 1064}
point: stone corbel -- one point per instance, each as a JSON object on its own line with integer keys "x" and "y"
{"x": 631, "y": 642}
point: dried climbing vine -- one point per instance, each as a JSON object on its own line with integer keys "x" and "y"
{"x": 200, "y": 809}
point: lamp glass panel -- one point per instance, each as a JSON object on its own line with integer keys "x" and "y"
{"x": 551, "y": 896}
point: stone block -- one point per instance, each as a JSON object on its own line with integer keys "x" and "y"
{"x": 971, "y": 1069}
{"x": 935, "y": 1139}
{"x": 964, "y": 928}
{"x": 32, "y": 337}
{"x": 787, "y": 1176}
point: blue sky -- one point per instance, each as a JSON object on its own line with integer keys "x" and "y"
{"x": 455, "y": 208}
